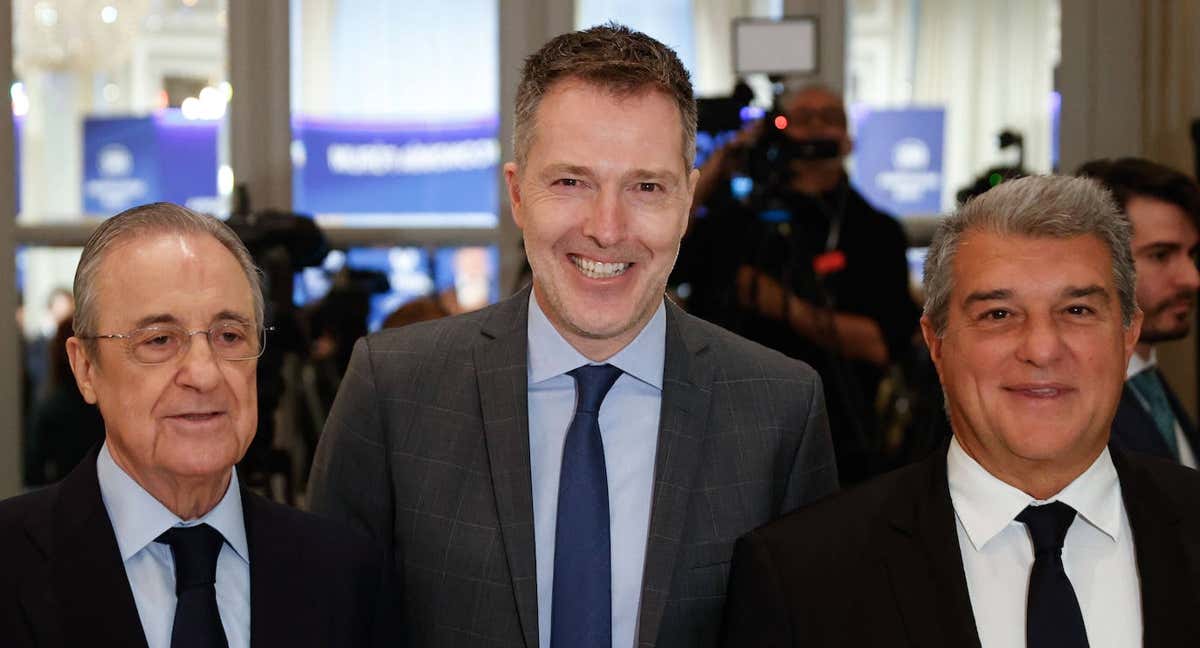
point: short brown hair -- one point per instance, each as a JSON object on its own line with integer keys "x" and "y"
{"x": 613, "y": 57}
{"x": 154, "y": 218}
{"x": 1130, "y": 177}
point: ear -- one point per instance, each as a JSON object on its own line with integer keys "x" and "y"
{"x": 83, "y": 367}
{"x": 847, "y": 146}
{"x": 932, "y": 341}
{"x": 511, "y": 181}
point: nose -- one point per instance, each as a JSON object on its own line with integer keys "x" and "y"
{"x": 1189, "y": 275}
{"x": 198, "y": 368}
{"x": 607, "y": 221}
{"x": 1041, "y": 341}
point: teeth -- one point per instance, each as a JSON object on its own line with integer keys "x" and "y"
{"x": 598, "y": 269}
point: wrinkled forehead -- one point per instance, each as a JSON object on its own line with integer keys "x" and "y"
{"x": 1019, "y": 265}
{"x": 189, "y": 276}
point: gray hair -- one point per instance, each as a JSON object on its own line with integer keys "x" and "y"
{"x": 1036, "y": 206}
{"x": 614, "y": 58}
{"x": 158, "y": 217}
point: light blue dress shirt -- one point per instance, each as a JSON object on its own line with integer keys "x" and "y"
{"x": 137, "y": 519}
{"x": 629, "y": 427}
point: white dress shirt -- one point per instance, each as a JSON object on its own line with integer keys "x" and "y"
{"x": 137, "y": 519}
{"x": 997, "y": 553}
{"x": 629, "y": 429}
{"x": 1187, "y": 454}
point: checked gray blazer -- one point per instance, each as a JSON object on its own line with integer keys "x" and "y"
{"x": 427, "y": 449}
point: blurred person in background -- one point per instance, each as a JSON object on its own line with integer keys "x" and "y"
{"x": 1163, "y": 205}
{"x": 64, "y": 426}
{"x": 60, "y": 306}
{"x": 805, "y": 265}
{"x": 470, "y": 291}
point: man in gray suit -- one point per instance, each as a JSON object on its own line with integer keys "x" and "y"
{"x": 571, "y": 467}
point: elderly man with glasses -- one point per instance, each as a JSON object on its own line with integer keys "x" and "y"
{"x": 151, "y": 541}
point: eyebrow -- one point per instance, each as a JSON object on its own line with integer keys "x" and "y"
{"x": 569, "y": 169}
{"x": 1160, "y": 245}
{"x": 1071, "y": 292}
{"x": 167, "y": 318}
{"x": 987, "y": 295}
{"x": 160, "y": 318}
{"x": 1093, "y": 290}
{"x": 667, "y": 176}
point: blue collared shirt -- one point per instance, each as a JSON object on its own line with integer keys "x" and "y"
{"x": 137, "y": 519}
{"x": 629, "y": 427}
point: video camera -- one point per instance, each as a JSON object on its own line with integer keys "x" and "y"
{"x": 764, "y": 168}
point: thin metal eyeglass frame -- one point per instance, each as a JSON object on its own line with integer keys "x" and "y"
{"x": 187, "y": 345}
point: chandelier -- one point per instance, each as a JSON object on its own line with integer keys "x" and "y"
{"x": 77, "y": 35}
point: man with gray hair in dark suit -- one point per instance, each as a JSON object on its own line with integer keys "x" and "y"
{"x": 1027, "y": 528}
{"x": 570, "y": 467}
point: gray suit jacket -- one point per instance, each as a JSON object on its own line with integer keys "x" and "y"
{"x": 427, "y": 449}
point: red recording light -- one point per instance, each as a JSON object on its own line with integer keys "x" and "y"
{"x": 780, "y": 122}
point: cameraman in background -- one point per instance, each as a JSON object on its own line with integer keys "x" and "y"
{"x": 785, "y": 252}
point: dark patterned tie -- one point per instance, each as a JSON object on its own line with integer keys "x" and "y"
{"x": 581, "y": 615}
{"x": 197, "y": 621}
{"x": 1054, "y": 619}
{"x": 1149, "y": 386}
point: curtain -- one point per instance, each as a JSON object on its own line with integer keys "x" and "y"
{"x": 990, "y": 63}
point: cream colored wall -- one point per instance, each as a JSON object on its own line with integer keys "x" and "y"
{"x": 1171, "y": 91}
{"x": 1129, "y": 87}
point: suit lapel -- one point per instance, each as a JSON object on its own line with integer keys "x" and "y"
{"x": 1168, "y": 568}
{"x": 1181, "y": 416}
{"x": 501, "y": 369}
{"x": 87, "y": 573}
{"x": 924, "y": 563}
{"x": 276, "y": 591}
{"x": 687, "y": 386}
{"x": 1133, "y": 427}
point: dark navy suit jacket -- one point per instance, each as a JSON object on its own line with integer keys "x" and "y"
{"x": 1134, "y": 429}
{"x": 62, "y": 583}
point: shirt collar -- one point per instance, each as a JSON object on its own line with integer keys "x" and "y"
{"x": 550, "y": 355}
{"x": 138, "y": 518}
{"x": 985, "y": 505}
{"x": 1137, "y": 365}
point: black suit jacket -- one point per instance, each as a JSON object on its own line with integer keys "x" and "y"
{"x": 880, "y": 565}
{"x": 1134, "y": 429}
{"x": 427, "y": 448}
{"x": 62, "y": 583}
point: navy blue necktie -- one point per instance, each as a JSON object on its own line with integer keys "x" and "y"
{"x": 197, "y": 620}
{"x": 581, "y": 615}
{"x": 1054, "y": 619}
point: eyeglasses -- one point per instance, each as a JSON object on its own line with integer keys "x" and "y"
{"x": 162, "y": 343}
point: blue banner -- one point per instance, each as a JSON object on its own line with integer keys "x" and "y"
{"x": 130, "y": 161}
{"x": 386, "y": 173}
{"x": 412, "y": 272}
{"x": 898, "y": 158}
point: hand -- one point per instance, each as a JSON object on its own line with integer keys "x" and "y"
{"x": 762, "y": 293}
